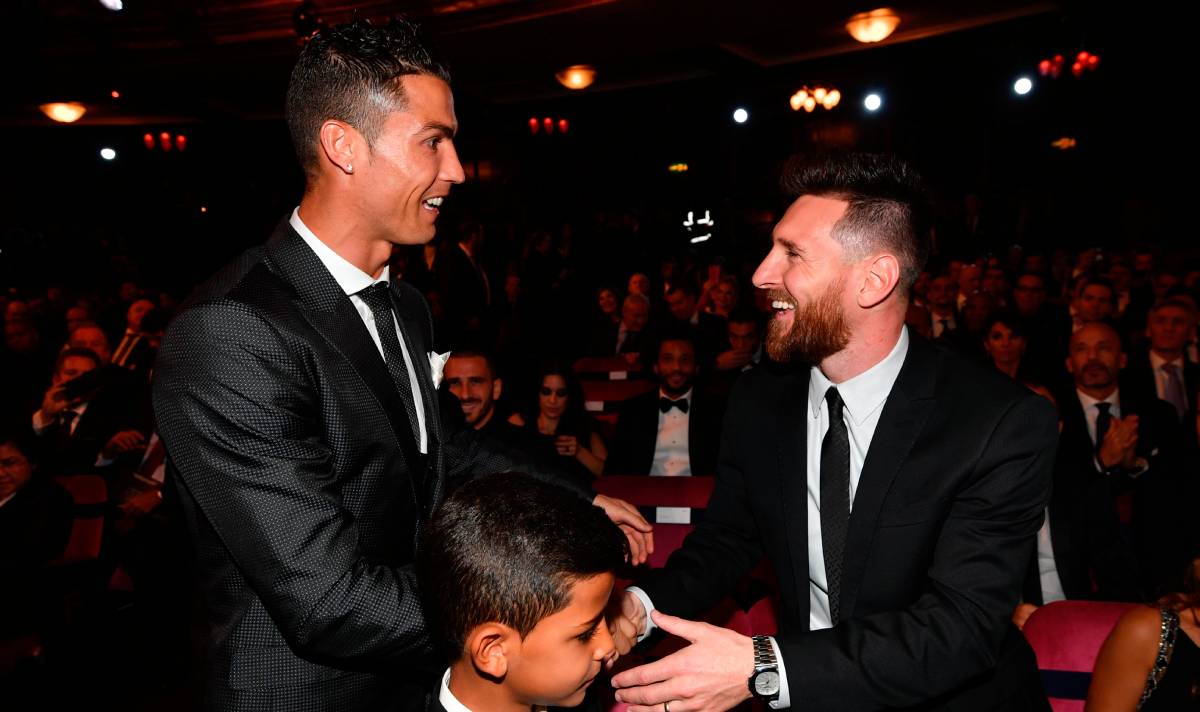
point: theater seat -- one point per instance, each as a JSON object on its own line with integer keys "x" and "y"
{"x": 89, "y": 494}
{"x": 601, "y": 396}
{"x": 1066, "y": 636}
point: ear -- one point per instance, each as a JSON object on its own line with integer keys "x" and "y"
{"x": 880, "y": 278}
{"x": 1070, "y": 365}
{"x": 497, "y": 386}
{"x": 1123, "y": 361}
{"x": 489, "y": 646}
{"x": 338, "y": 143}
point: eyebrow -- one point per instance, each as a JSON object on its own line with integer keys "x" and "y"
{"x": 444, "y": 129}
{"x": 593, "y": 622}
{"x": 783, "y": 241}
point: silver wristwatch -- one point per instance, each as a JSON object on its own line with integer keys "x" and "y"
{"x": 764, "y": 682}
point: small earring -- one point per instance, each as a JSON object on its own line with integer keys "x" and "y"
{"x": 349, "y": 168}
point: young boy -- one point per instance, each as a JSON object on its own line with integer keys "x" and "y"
{"x": 517, "y": 575}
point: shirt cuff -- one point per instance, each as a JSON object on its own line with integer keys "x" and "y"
{"x": 649, "y": 606}
{"x": 785, "y": 697}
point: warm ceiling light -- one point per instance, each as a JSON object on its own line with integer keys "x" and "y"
{"x": 873, "y": 26}
{"x": 64, "y": 112}
{"x": 579, "y": 76}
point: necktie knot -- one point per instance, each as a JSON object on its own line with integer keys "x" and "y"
{"x": 666, "y": 404}
{"x": 836, "y": 404}
{"x": 376, "y": 296}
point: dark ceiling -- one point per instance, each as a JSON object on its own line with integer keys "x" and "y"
{"x": 189, "y": 60}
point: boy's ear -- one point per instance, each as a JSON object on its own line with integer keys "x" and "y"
{"x": 489, "y": 646}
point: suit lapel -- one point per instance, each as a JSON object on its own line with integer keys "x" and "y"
{"x": 792, "y": 439}
{"x": 334, "y": 317}
{"x": 904, "y": 414}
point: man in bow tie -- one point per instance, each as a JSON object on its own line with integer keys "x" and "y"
{"x": 295, "y": 395}
{"x": 672, "y": 431}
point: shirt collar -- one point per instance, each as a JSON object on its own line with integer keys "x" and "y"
{"x": 685, "y": 397}
{"x": 1089, "y": 402}
{"x": 6, "y": 499}
{"x": 866, "y": 392}
{"x": 350, "y": 278}
{"x": 1157, "y": 362}
{"x": 447, "y": 698}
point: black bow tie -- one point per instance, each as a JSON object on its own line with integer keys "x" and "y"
{"x": 666, "y": 404}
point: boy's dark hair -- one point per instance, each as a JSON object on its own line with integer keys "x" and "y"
{"x": 351, "y": 73}
{"x": 507, "y": 548}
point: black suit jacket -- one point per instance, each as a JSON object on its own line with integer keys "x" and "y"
{"x": 302, "y": 486}
{"x": 950, "y": 497}
{"x": 1138, "y": 377}
{"x": 632, "y": 449}
{"x": 1162, "y": 528}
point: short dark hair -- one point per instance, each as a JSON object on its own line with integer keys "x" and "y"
{"x": 507, "y": 548}
{"x": 478, "y": 353}
{"x": 745, "y": 315}
{"x": 683, "y": 286}
{"x": 676, "y": 332}
{"x": 76, "y": 352}
{"x": 888, "y": 206}
{"x": 351, "y": 73}
{"x": 1095, "y": 281}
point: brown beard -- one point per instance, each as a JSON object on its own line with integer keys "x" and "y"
{"x": 819, "y": 329}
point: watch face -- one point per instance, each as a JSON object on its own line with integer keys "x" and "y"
{"x": 766, "y": 683}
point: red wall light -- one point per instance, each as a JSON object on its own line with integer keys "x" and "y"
{"x": 534, "y": 126}
{"x": 563, "y": 125}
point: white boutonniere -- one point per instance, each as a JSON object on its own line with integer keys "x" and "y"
{"x": 437, "y": 362}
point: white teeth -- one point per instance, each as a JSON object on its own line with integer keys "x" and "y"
{"x": 777, "y": 304}
{"x": 434, "y": 202}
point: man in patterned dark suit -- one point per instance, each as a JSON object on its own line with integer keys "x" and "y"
{"x": 296, "y": 396}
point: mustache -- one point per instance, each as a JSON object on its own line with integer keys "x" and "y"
{"x": 780, "y": 295}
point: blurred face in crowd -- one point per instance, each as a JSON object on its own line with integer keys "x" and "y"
{"x": 1036, "y": 263}
{"x": 681, "y": 304}
{"x": 921, "y": 285}
{"x": 1121, "y": 276}
{"x": 976, "y": 311}
{"x": 1004, "y": 345}
{"x": 1168, "y": 328}
{"x": 743, "y": 336}
{"x": 676, "y": 366}
{"x": 953, "y": 269}
{"x": 137, "y": 310}
{"x": 473, "y": 383}
{"x": 995, "y": 282}
{"x": 724, "y": 296}
{"x": 1163, "y": 283}
{"x": 20, "y": 337}
{"x": 16, "y": 310}
{"x": 128, "y": 291}
{"x": 1143, "y": 263}
{"x": 940, "y": 294}
{"x": 15, "y": 469}
{"x": 1095, "y": 303}
{"x": 639, "y": 284}
{"x": 969, "y": 279}
{"x": 634, "y": 314}
{"x": 607, "y": 301}
{"x": 72, "y": 367}
{"x": 1095, "y": 358}
{"x": 76, "y": 316}
{"x": 1030, "y": 294}
{"x": 552, "y": 396}
{"x": 93, "y": 339}
{"x": 807, "y": 279}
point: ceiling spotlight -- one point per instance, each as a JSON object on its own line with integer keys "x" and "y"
{"x": 64, "y": 112}
{"x": 740, "y": 115}
{"x": 579, "y": 76}
{"x": 113, "y": 5}
{"x": 873, "y": 26}
{"x": 1023, "y": 86}
{"x": 108, "y": 154}
{"x": 873, "y": 102}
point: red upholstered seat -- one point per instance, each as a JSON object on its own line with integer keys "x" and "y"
{"x": 1066, "y": 636}
{"x": 90, "y": 494}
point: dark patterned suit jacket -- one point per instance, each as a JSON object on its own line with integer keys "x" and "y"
{"x": 302, "y": 485}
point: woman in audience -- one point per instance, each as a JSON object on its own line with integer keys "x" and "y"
{"x": 1151, "y": 660}
{"x": 722, "y": 299}
{"x": 609, "y": 304}
{"x": 1004, "y": 342}
{"x": 558, "y": 430}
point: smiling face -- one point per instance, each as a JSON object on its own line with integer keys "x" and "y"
{"x": 412, "y": 164}
{"x": 806, "y": 277}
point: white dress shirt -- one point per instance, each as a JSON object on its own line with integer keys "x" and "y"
{"x": 1052, "y": 588}
{"x": 353, "y": 280}
{"x": 671, "y": 457}
{"x": 864, "y": 396}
